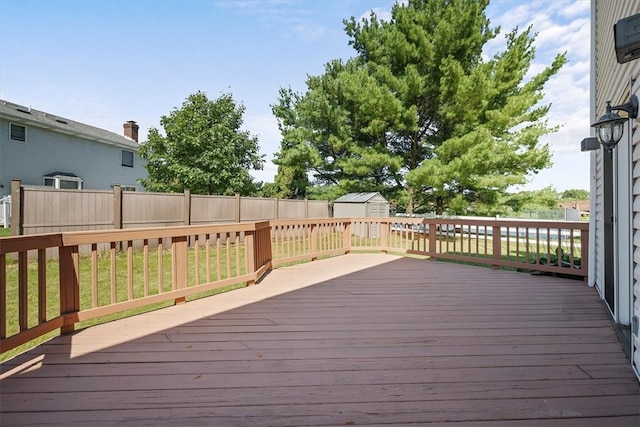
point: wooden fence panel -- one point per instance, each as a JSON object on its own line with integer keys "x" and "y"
{"x": 292, "y": 209}
{"x": 55, "y": 211}
{"x": 212, "y": 209}
{"x": 141, "y": 209}
{"x": 45, "y": 210}
{"x": 318, "y": 209}
{"x": 256, "y": 209}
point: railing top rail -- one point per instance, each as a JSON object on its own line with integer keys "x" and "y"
{"x": 277, "y": 222}
{"x": 105, "y": 236}
{"x": 43, "y": 241}
{"x": 576, "y": 225}
{"x": 26, "y": 243}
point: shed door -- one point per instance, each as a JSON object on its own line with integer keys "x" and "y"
{"x": 375, "y": 210}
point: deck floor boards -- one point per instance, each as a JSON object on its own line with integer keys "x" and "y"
{"x": 362, "y": 339}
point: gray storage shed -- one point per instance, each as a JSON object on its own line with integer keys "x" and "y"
{"x": 362, "y": 205}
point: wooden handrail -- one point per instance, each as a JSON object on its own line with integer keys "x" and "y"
{"x": 115, "y": 268}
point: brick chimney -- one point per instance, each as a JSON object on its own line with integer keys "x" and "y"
{"x": 131, "y": 130}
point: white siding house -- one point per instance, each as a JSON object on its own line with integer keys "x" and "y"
{"x": 615, "y": 185}
{"x": 40, "y": 148}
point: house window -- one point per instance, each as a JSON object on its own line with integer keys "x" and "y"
{"x": 69, "y": 182}
{"x": 127, "y": 158}
{"x": 18, "y": 132}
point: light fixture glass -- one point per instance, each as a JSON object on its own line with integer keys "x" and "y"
{"x": 610, "y": 127}
{"x": 610, "y": 132}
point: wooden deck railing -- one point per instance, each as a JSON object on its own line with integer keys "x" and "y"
{"x": 548, "y": 246}
{"x": 53, "y": 281}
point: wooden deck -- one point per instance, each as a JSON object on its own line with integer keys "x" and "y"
{"x": 354, "y": 340}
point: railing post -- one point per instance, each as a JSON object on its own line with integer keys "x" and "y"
{"x": 179, "y": 265}
{"x": 497, "y": 246}
{"x": 69, "y": 287}
{"x": 314, "y": 240}
{"x": 264, "y": 246}
{"x": 432, "y": 241}
{"x": 584, "y": 252}
{"x": 17, "y": 209}
{"x": 347, "y": 236}
{"x": 384, "y": 229}
{"x": 252, "y": 253}
{"x": 258, "y": 246}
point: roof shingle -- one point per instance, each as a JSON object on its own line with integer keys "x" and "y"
{"x": 27, "y": 115}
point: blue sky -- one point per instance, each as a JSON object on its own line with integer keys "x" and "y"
{"x": 106, "y": 62}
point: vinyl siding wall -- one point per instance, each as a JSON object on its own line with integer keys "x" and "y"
{"x": 615, "y": 82}
{"x": 98, "y": 164}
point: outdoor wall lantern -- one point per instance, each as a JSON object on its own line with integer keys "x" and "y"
{"x": 610, "y": 127}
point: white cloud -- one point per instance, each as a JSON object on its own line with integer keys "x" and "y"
{"x": 265, "y": 175}
{"x": 265, "y": 127}
{"x": 561, "y": 26}
{"x": 381, "y": 14}
{"x": 576, "y": 8}
{"x": 575, "y": 36}
{"x": 309, "y": 31}
{"x": 511, "y": 17}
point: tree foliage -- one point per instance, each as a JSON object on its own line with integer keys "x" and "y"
{"x": 547, "y": 198}
{"x": 575, "y": 194}
{"x": 420, "y": 114}
{"x": 203, "y": 149}
{"x": 291, "y": 181}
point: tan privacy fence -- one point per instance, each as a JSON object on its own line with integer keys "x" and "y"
{"x": 37, "y": 210}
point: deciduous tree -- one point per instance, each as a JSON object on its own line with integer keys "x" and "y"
{"x": 575, "y": 194}
{"x": 203, "y": 149}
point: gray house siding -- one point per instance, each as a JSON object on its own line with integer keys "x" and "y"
{"x": 616, "y": 246}
{"x": 46, "y": 150}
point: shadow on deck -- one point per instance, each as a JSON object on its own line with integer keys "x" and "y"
{"x": 354, "y": 340}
